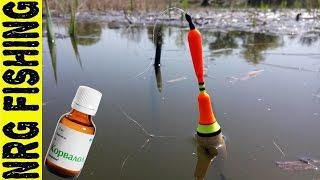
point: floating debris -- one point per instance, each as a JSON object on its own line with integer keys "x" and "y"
{"x": 177, "y": 79}
{"x": 146, "y": 70}
{"x": 249, "y": 75}
{"x": 289, "y": 67}
{"x": 298, "y": 165}
{"x": 308, "y": 161}
{"x": 221, "y": 50}
{"x": 316, "y": 95}
{"x": 45, "y": 103}
{"x": 278, "y": 147}
{"x": 252, "y": 74}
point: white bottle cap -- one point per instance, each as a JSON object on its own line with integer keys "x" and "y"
{"x": 86, "y": 100}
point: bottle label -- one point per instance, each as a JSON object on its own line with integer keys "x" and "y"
{"x": 69, "y": 148}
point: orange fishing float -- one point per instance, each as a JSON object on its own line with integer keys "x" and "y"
{"x": 205, "y": 109}
{"x": 195, "y": 46}
{"x": 207, "y": 125}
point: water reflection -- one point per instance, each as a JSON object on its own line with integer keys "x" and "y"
{"x": 252, "y": 44}
{"x": 74, "y": 43}
{"x": 255, "y": 43}
{"x": 180, "y": 39}
{"x": 156, "y": 36}
{"x": 209, "y": 148}
{"x": 157, "y": 71}
{"x": 133, "y": 33}
{"x": 310, "y": 38}
{"x": 224, "y": 41}
{"x": 89, "y": 33}
{"x": 158, "y": 41}
{"x": 51, "y": 40}
{"x": 53, "y": 55}
{"x": 162, "y": 116}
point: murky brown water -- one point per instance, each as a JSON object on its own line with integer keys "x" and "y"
{"x": 265, "y": 90}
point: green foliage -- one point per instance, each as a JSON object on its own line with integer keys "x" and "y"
{"x": 185, "y": 4}
{"x": 264, "y": 6}
{"x": 283, "y": 4}
{"x": 297, "y": 4}
{"x": 131, "y": 5}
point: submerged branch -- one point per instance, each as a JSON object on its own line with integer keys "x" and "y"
{"x": 136, "y": 122}
{"x": 146, "y": 70}
{"x": 124, "y": 162}
{"x": 278, "y": 147}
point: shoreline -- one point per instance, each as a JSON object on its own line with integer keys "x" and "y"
{"x": 281, "y": 22}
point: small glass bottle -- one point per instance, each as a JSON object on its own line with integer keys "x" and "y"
{"x": 74, "y": 134}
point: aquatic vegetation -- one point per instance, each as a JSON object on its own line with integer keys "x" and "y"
{"x": 73, "y": 8}
{"x": 74, "y": 44}
{"x": 73, "y": 30}
{"x": 51, "y": 40}
{"x": 53, "y": 54}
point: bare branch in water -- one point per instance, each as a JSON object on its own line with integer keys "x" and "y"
{"x": 45, "y": 103}
{"x": 221, "y": 50}
{"x": 149, "y": 135}
{"x": 126, "y": 16}
{"x": 124, "y": 162}
{"x": 136, "y": 122}
{"x": 146, "y": 70}
{"x": 278, "y": 147}
{"x": 289, "y": 67}
{"x": 147, "y": 141}
{"x": 294, "y": 54}
{"x": 177, "y": 79}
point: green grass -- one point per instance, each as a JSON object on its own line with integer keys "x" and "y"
{"x": 51, "y": 40}
{"x": 73, "y": 29}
